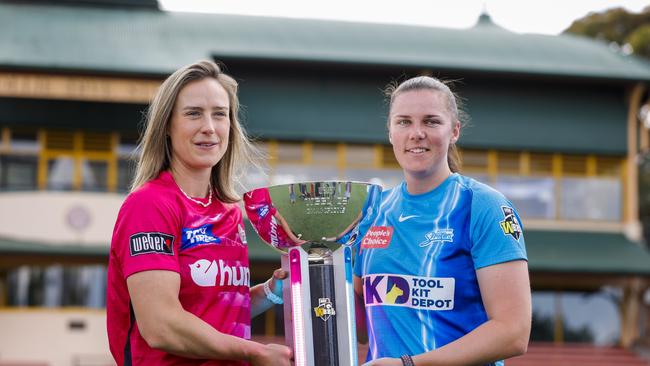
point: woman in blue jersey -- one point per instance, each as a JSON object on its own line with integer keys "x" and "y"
{"x": 442, "y": 271}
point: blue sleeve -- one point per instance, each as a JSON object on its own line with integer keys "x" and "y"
{"x": 357, "y": 263}
{"x": 495, "y": 229}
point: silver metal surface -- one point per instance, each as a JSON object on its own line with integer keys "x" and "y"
{"x": 328, "y": 212}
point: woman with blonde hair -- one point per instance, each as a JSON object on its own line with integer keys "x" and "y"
{"x": 178, "y": 277}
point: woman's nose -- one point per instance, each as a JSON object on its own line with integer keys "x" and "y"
{"x": 208, "y": 125}
{"x": 417, "y": 133}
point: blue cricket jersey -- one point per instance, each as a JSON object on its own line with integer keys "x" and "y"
{"x": 418, "y": 263}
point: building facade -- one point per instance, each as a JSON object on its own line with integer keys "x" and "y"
{"x": 554, "y": 126}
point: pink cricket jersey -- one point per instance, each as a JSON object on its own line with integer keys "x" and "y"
{"x": 158, "y": 228}
{"x": 261, "y": 213}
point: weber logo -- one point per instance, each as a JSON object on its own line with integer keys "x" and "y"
{"x": 146, "y": 243}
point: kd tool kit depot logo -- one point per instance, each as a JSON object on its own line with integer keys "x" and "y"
{"x": 426, "y": 293}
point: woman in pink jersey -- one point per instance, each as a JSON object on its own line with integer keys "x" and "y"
{"x": 178, "y": 283}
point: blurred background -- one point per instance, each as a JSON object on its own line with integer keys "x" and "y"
{"x": 559, "y": 105}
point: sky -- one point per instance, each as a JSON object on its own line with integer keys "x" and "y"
{"x": 521, "y": 16}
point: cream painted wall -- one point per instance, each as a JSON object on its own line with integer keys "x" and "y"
{"x": 44, "y": 336}
{"x": 80, "y": 218}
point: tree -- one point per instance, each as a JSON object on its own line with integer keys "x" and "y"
{"x": 619, "y": 26}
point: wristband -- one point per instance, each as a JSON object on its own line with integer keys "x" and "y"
{"x": 407, "y": 360}
{"x": 270, "y": 295}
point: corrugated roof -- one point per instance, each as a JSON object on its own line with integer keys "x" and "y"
{"x": 142, "y": 41}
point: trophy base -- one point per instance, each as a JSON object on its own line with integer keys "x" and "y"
{"x": 319, "y": 306}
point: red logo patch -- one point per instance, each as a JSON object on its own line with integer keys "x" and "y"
{"x": 377, "y": 237}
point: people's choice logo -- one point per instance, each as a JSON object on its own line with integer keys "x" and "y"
{"x": 205, "y": 273}
{"x": 377, "y": 237}
{"x": 425, "y": 293}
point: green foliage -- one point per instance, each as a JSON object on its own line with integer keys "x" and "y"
{"x": 639, "y": 39}
{"x": 619, "y": 26}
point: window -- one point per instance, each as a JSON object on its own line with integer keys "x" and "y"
{"x": 56, "y": 286}
{"x": 95, "y": 175}
{"x": 552, "y": 186}
{"x": 18, "y": 172}
{"x": 532, "y": 196}
{"x": 591, "y": 199}
{"x": 125, "y": 174}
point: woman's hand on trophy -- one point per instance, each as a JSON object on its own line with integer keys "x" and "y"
{"x": 275, "y": 284}
{"x": 385, "y": 361}
{"x": 272, "y": 355}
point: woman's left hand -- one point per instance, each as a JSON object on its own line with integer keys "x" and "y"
{"x": 385, "y": 361}
{"x": 276, "y": 281}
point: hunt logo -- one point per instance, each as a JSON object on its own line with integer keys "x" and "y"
{"x": 424, "y": 293}
{"x": 147, "y": 243}
{"x": 377, "y": 237}
{"x": 438, "y": 236}
{"x": 510, "y": 225}
{"x": 198, "y": 236}
{"x": 207, "y": 273}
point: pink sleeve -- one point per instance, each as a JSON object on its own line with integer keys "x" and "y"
{"x": 147, "y": 234}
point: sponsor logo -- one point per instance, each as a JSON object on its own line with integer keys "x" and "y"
{"x": 207, "y": 273}
{"x": 147, "y": 243}
{"x": 424, "y": 293}
{"x": 438, "y": 236}
{"x": 510, "y": 225}
{"x": 273, "y": 233}
{"x": 242, "y": 234}
{"x": 325, "y": 309}
{"x": 198, "y": 236}
{"x": 404, "y": 218}
{"x": 377, "y": 237}
{"x": 263, "y": 211}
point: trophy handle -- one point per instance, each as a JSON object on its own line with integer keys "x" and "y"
{"x": 346, "y": 322}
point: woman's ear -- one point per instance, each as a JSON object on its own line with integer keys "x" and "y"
{"x": 455, "y": 133}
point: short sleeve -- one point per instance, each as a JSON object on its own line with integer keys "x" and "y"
{"x": 146, "y": 234}
{"x": 495, "y": 229}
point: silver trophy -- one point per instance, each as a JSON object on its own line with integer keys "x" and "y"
{"x": 313, "y": 224}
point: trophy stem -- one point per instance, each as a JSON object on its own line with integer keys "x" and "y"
{"x": 319, "y": 253}
{"x": 323, "y": 322}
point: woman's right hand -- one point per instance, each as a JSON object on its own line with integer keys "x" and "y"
{"x": 272, "y": 355}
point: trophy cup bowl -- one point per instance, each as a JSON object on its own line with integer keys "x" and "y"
{"x": 314, "y": 225}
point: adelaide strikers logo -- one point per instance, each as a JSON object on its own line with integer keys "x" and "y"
{"x": 510, "y": 225}
{"x": 438, "y": 236}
